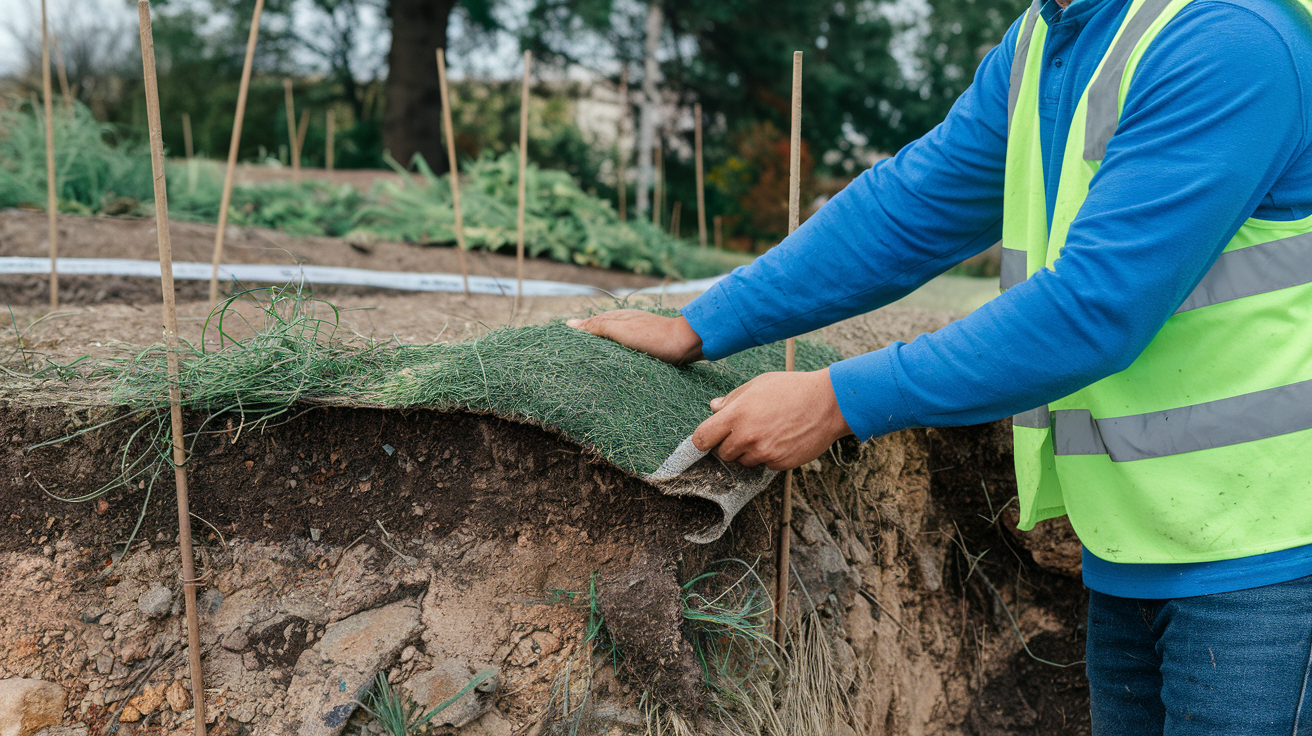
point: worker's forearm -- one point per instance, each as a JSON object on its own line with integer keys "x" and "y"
{"x": 896, "y": 226}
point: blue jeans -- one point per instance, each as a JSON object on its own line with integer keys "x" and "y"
{"x": 1228, "y": 664}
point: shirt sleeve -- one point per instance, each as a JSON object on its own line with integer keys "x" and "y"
{"x": 899, "y": 224}
{"x": 1212, "y": 119}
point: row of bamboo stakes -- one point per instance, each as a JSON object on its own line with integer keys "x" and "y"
{"x": 169, "y": 307}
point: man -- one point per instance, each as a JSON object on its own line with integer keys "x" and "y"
{"x": 1146, "y": 165}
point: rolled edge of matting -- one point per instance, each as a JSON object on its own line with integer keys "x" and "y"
{"x": 698, "y": 473}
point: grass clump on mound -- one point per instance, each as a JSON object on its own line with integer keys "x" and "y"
{"x": 631, "y": 408}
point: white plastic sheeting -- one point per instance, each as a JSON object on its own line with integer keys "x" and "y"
{"x": 259, "y": 273}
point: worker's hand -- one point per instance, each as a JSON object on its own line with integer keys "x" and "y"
{"x": 670, "y": 339}
{"x": 781, "y": 420}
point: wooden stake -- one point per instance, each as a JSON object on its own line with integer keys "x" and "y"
{"x": 291, "y": 128}
{"x": 523, "y": 182}
{"x": 455, "y": 172}
{"x": 328, "y": 143}
{"x": 226, "y": 199}
{"x": 300, "y": 136}
{"x": 621, "y": 175}
{"x": 171, "y": 347}
{"x": 719, "y": 231}
{"x": 186, "y": 135}
{"x": 52, "y": 199}
{"x": 186, "y": 144}
{"x": 674, "y": 218}
{"x": 658, "y": 167}
{"x": 701, "y": 189}
{"x": 794, "y": 216}
{"x": 63, "y": 73}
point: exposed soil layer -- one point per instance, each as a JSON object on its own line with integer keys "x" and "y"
{"x": 341, "y": 472}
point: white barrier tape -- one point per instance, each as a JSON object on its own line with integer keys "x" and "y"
{"x": 275, "y": 274}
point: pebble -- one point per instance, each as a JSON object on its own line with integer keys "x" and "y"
{"x": 156, "y": 602}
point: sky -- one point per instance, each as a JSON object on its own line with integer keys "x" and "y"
{"x": 21, "y": 19}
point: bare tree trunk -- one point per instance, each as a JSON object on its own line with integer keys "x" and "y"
{"x": 651, "y": 110}
{"x": 412, "y": 122}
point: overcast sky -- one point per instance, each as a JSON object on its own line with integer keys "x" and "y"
{"x": 21, "y": 19}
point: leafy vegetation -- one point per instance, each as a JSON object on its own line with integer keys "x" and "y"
{"x": 99, "y": 174}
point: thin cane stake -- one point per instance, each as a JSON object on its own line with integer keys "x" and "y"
{"x": 674, "y": 218}
{"x": 191, "y": 161}
{"x": 701, "y": 189}
{"x": 171, "y": 346}
{"x": 794, "y": 216}
{"x": 232, "y": 149}
{"x": 300, "y": 136}
{"x": 328, "y": 143}
{"x": 291, "y": 128}
{"x": 52, "y": 199}
{"x": 658, "y": 164}
{"x": 621, "y": 173}
{"x": 63, "y": 73}
{"x": 523, "y": 182}
{"x": 455, "y": 169}
{"x": 719, "y": 231}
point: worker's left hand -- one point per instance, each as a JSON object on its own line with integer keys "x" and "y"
{"x": 781, "y": 420}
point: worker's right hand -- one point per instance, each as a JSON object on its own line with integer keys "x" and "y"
{"x": 670, "y": 339}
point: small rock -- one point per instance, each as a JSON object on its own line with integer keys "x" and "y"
{"x": 108, "y": 619}
{"x": 177, "y": 696}
{"x": 156, "y": 602}
{"x": 129, "y": 715}
{"x": 316, "y": 534}
{"x": 149, "y": 701}
{"x": 209, "y": 602}
{"x": 245, "y": 713}
{"x": 27, "y": 706}
{"x": 250, "y": 661}
{"x": 104, "y": 664}
{"x": 432, "y": 687}
{"x": 236, "y": 641}
{"x": 408, "y": 654}
{"x": 107, "y": 634}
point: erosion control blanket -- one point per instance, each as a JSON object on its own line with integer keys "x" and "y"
{"x": 634, "y": 411}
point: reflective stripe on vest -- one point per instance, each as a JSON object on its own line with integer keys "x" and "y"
{"x": 1257, "y": 269}
{"x": 1232, "y": 421}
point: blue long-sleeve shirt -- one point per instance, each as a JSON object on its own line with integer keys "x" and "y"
{"x": 1215, "y": 130}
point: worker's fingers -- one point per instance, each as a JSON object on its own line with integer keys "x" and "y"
{"x": 724, "y": 401}
{"x": 711, "y": 432}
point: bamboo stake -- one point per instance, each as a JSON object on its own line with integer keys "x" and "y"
{"x": 658, "y": 165}
{"x": 523, "y": 183}
{"x": 232, "y": 149}
{"x": 52, "y": 199}
{"x": 63, "y": 73}
{"x": 300, "y": 136}
{"x": 328, "y": 144}
{"x": 186, "y": 135}
{"x": 171, "y": 346}
{"x": 794, "y": 216}
{"x": 455, "y": 171}
{"x": 719, "y": 231}
{"x": 701, "y": 189}
{"x": 191, "y": 161}
{"x": 621, "y": 174}
{"x": 291, "y": 128}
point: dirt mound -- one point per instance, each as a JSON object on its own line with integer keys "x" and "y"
{"x": 474, "y": 538}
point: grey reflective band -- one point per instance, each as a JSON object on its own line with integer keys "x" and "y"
{"x": 1104, "y": 111}
{"x": 1018, "y": 63}
{"x": 1254, "y": 270}
{"x": 1033, "y": 419}
{"x": 1221, "y": 423}
{"x": 1013, "y": 269}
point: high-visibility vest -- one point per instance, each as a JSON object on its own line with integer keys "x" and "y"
{"x": 1201, "y": 450}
